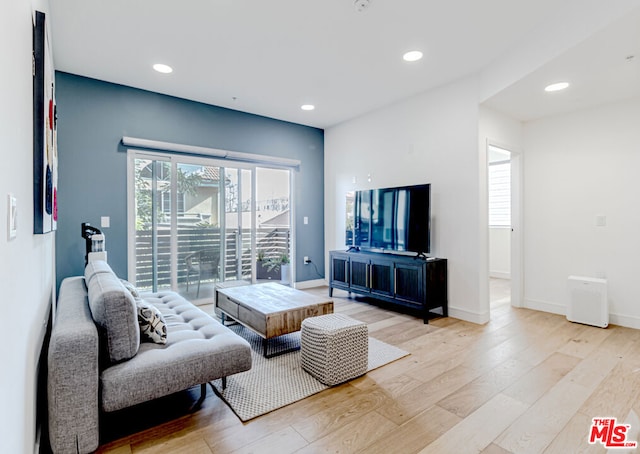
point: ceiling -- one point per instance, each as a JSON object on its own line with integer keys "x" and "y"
{"x": 603, "y": 68}
{"x": 270, "y": 57}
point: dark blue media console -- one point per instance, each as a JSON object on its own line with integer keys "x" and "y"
{"x": 412, "y": 282}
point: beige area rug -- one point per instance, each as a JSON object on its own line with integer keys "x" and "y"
{"x": 275, "y": 382}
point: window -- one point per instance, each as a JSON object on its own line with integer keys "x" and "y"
{"x": 191, "y": 214}
{"x": 500, "y": 194}
{"x": 166, "y": 202}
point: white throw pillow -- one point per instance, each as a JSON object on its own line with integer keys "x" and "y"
{"x": 153, "y": 327}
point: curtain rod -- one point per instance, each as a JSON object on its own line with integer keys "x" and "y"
{"x": 205, "y": 151}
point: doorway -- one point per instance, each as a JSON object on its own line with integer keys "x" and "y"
{"x": 504, "y": 226}
{"x": 196, "y": 221}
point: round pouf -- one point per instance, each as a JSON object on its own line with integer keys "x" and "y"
{"x": 334, "y": 348}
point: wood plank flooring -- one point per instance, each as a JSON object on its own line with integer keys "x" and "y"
{"x": 527, "y": 382}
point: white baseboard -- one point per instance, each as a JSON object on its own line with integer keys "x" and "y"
{"x": 500, "y": 274}
{"x": 628, "y": 321}
{"x": 469, "y": 316}
{"x": 310, "y": 284}
{"x": 545, "y": 306}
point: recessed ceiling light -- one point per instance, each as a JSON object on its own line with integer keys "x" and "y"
{"x": 557, "y": 86}
{"x": 361, "y": 5}
{"x": 165, "y": 69}
{"x": 412, "y": 55}
{"x": 307, "y": 107}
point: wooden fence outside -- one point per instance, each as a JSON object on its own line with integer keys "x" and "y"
{"x": 273, "y": 242}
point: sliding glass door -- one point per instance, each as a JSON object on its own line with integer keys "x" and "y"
{"x": 238, "y": 224}
{"x": 273, "y": 224}
{"x": 152, "y": 225}
{"x": 195, "y": 222}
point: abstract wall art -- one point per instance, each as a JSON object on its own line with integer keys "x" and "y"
{"x": 45, "y": 153}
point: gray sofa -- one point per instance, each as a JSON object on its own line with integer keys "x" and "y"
{"x": 96, "y": 361}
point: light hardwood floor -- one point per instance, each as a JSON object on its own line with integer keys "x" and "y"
{"x": 499, "y": 292}
{"x": 526, "y": 382}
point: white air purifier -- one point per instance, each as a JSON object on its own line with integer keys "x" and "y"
{"x": 588, "y": 303}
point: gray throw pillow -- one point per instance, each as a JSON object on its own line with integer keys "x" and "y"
{"x": 132, "y": 288}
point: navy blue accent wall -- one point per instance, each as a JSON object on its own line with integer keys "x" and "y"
{"x": 92, "y": 162}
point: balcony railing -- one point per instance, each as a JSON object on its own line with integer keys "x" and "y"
{"x": 236, "y": 261}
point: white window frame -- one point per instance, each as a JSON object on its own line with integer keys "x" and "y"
{"x": 500, "y": 194}
{"x": 174, "y": 157}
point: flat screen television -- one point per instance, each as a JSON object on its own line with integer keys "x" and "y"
{"x": 393, "y": 219}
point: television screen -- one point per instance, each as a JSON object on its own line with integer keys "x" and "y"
{"x": 392, "y": 219}
{"x": 362, "y": 218}
{"x": 349, "y": 218}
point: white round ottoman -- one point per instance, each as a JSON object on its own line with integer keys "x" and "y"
{"x": 334, "y": 348}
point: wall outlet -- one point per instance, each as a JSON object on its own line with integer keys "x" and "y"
{"x": 307, "y": 260}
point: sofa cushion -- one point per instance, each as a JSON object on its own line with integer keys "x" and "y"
{"x": 198, "y": 349}
{"x": 153, "y": 328}
{"x": 114, "y": 311}
{"x": 96, "y": 267}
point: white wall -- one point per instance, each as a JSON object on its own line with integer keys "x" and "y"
{"x": 426, "y": 138}
{"x": 26, "y": 263}
{"x": 579, "y": 166}
{"x": 500, "y": 252}
{"x": 503, "y": 131}
{"x": 430, "y": 138}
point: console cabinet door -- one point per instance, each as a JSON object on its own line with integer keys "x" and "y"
{"x": 381, "y": 277}
{"x": 359, "y": 276}
{"x": 340, "y": 269}
{"x": 409, "y": 283}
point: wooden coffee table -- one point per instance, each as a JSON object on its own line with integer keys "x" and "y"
{"x": 271, "y": 309}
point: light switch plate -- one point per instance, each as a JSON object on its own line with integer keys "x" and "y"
{"x": 105, "y": 221}
{"x": 12, "y": 216}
